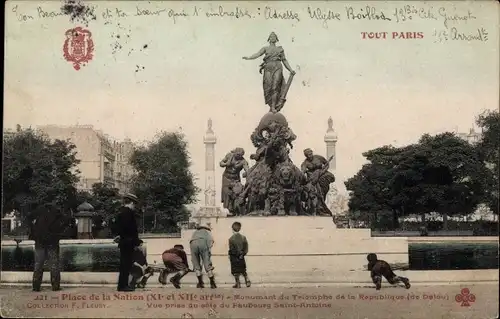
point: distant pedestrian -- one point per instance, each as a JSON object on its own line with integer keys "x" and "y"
{"x": 380, "y": 268}
{"x": 201, "y": 245}
{"x": 175, "y": 261}
{"x": 125, "y": 227}
{"x": 48, "y": 228}
{"x": 238, "y": 249}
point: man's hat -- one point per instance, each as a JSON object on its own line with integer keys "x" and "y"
{"x": 204, "y": 224}
{"x": 132, "y": 197}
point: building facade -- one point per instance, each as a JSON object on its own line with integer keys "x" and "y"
{"x": 472, "y": 137}
{"x": 102, "y": 160}
{"x": 123, "y": 171}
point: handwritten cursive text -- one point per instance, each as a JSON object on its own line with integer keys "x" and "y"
{"x": 48, "y": 14}
{"x": 147, "y": 12}
{"x": 21, "y": 16}
{"x": 323, "y": 15}
{"x": 221, "y": 12}
{"x": 409, "y": 12}
{"x": 368, "y": 13}
{"x": 455, "y": 18}
{"x": 270, "y": 13}
{"x": 480, "y": 35}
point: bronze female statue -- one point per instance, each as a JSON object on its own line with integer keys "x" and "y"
{"x": 272, "y": 68}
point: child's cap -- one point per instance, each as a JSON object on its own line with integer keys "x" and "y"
{"x": 178, "y": 246}
{"x": 371, "y": 257}
{"x": 236, "y": 226}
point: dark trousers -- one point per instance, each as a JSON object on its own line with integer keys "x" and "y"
{"x": 126, "y": 261}
{"x": 238, "y": 265}
{"x": 392, "y": 278}
{"x": 42, "y": 253}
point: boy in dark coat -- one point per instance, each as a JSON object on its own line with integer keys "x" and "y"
{"x": 380, "y": 268}
{"x": 238, "y": 248}
{"x": 141, "y": 271}
{"x": 175, "y": 261}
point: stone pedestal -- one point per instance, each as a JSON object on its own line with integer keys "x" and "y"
{"x": 295, "y": 247}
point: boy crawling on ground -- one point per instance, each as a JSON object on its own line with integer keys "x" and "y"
{"x": 380, "y": 268}
{"x": 141, "y": 271}
{"x": 175, "y": 261}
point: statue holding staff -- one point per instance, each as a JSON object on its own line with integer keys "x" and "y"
{"x": 275, "y": 86}
{"x": 315, "y": 168}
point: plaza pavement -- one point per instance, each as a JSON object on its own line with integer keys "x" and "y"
{"x": 419, "y": 302}
{"x": 289, "y": 277}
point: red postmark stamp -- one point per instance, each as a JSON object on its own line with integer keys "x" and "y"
{"x": 78, "y": 47}
{"x": 465, "y": 298}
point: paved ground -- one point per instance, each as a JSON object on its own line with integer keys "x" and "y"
{"x": 436, "y": 302}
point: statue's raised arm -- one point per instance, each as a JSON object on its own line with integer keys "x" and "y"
{"x": 256, "y": 55}
{"x": 275, "y": 86}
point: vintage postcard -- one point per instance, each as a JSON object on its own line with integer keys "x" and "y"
{"x": 250, "y": 159}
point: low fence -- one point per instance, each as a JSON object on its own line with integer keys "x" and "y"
{"x": 24, "y": 237}
{"x": 409, "y": 233}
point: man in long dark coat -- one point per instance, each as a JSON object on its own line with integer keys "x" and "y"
{"x": 125, "y": 227}
{"x": 48, "y": 228}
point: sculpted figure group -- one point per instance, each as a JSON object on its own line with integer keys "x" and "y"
{"x": 275, "y": 187}
{"x": 274, "y": 184}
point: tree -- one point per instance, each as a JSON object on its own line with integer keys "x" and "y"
{"x": 163, "y": 181}
{"x": 366, "y": 190}
{"x": 489, "y": 148}
{"x": 104, "y": 199}
{"x": 38, "y": 171}
{"x": 441, "y": 173}
{"x": 456, "y": 173}
{"x": 371, "y": 188}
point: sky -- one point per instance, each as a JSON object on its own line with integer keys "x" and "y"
{"x": 155, "y": 72}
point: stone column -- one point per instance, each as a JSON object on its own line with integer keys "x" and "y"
{"x": 209, "y": 209}
{"x": 331, "y": 142}
{"x": 210, "y": 140}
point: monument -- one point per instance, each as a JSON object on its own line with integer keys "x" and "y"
{"x": 331, "y": 144}
{"x": 280, "y": 205}
{"x": 333, "y": 199}
{"x": 274, "y": 184}
{"x": 209, "y": 209}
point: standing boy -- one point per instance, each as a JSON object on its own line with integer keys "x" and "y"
{"x": 175, "y": 260}
{"x": 238, "y": 248}
{"x": 380, "y": 268}
{"x": 201, "y": 245}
